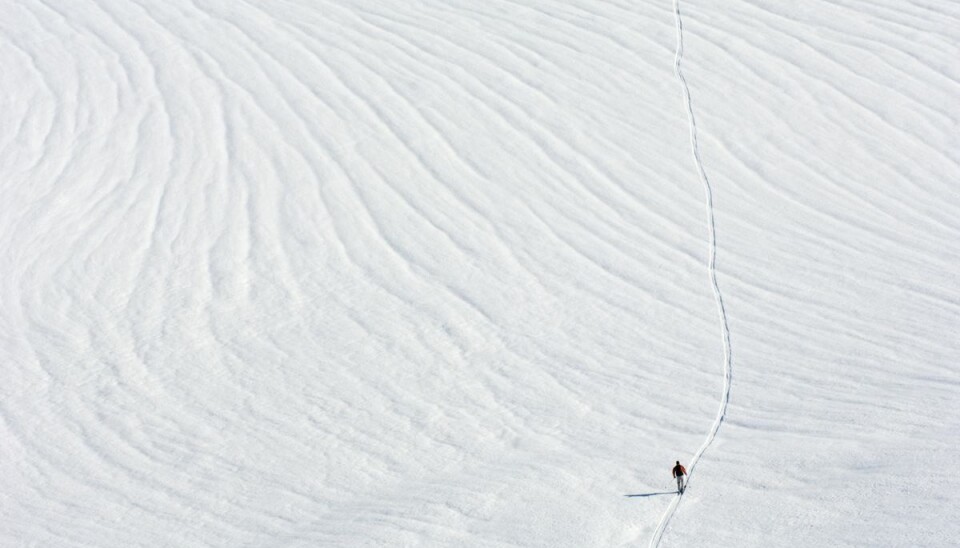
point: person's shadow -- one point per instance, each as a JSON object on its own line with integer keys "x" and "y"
{"x": 652, "y": 494}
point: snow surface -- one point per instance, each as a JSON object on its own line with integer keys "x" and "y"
{"x": 438, "y": 273}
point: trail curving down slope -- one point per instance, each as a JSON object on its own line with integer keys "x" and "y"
{"x": 712, "y": 271}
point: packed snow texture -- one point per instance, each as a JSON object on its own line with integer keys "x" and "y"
{"x": 437, "y": 273}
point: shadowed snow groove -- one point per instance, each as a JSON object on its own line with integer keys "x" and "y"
{"x": 712, "y": 270}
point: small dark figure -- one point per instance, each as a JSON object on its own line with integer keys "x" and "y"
{"x": 679, "y": 472}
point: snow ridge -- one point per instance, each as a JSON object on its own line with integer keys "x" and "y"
{"x": 712, "y": 271}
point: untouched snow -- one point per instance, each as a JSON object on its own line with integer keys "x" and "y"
{"x": 438, "y": 273}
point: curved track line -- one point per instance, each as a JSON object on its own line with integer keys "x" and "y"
{"x": 712, "y": 269}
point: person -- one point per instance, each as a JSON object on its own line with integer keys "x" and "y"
{"x": 679, "y": 472}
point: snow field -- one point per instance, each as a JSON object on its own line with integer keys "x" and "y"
{"x": 436, "y": 273}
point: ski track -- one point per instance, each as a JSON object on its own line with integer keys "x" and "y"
{"x": 387, "y": 273}
{"x": 712, "y": 272}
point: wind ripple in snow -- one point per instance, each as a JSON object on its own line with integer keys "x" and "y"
{"x": 340, "y": 273}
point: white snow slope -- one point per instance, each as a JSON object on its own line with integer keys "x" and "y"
{"x": 438, "y": 273}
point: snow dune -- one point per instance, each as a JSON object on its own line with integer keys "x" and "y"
{"x": 354, "y": 273}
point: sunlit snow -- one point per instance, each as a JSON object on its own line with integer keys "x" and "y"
{"x": 450, "y": 273}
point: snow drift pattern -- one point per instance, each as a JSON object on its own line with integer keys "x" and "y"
{"x": 349, "y": 273}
